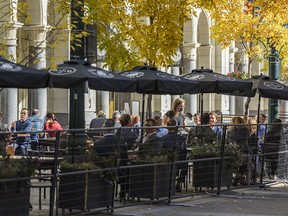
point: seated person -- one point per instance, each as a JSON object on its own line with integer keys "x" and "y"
{"x": 110, "y": 145}
{"x": 125, "y": 132}
{"x": 169, "y": 140}
{"x": 97, "y": 123}
{"x": 52, "y": 124}
{"x": 4, "y": 135}
{"x": 21, "y": 144}
{"x": 179, "y": 147}
{"x": 203, "y": 133}
{"x": 213, "y": 124}
{"x": 151, "y": 142}
{"x": 161, "y": 131}
{"x": 136, "y": 124}
{"x": 107, "y": 145}
{"x": 38, "y": 125}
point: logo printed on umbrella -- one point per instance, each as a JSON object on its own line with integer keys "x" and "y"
{"x": 63, "y": 71}
{"x": 168, "y": 76}
{"x": 133, "y": 74}
{"x": 273, "y": 85}
{"x": 101, "y": 73}
{"x": 194, "y": 77}
{"x": 9, "y": 66}
{"x": 224, "y": 77}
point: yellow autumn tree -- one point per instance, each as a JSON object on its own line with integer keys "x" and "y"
{"x": 257, "y": 24}
{"x": 134, "y": 32}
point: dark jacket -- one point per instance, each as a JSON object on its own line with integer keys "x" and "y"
{"x": 97, "y": 123}
{"x": 110, "y": 145}
{"x": 273, "y": 138}
{"x": 201, "y": 134}
{"x": 176, "y": 143}
{"x": 153, "y": 141}
{"x": 25, "y": 126}
{"x": 127, "y": 135}
{"x": 241, "y": 137}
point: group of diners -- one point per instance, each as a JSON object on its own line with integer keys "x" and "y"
{"x": 173, "y": 132}
{"x": 30, "y": 128}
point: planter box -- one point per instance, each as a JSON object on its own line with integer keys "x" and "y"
{"x": 84, "y": 191}
{"x": 205, "y": 174}
{"x": 14, "y": 198}
{"x": 151, "y": 181}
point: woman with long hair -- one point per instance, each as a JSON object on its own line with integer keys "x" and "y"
{"x": 239, "y": 133}
{"x": 176, "y": 112}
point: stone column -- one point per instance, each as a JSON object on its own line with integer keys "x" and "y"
{"x": 9, "y": 96}
{"x": 37, "y": 98}
{"x": 103, "y": 97}
{"x": 232, "y": 50}
{"x": 166, "y": 100}
{"x": 190, "y": 53}
{"x": 242, "y": 61}
{"x": 175, "y": 70}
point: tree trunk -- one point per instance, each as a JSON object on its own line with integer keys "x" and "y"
{"x": 246, "y": 107}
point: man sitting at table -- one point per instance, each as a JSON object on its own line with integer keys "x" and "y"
{"x": 21, "y": 144}
{"x": 37, "y": 125}
{"x": 151, "y": 142}
{"x": 179, "y": 147}
{"x": 125, "y": 131}
{"x": 97, "y": 123}
{"x": 110, "y": 145}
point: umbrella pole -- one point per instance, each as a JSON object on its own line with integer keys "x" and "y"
{"x": 258, "y": 140}
{"x": 201, "y": 107}
{"x": 142, "y": 117}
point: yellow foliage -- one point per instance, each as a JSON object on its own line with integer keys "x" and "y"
{"x": 258, "y": 24}
{"x": 139, "y": 30}
{"x": 22, "y": 11}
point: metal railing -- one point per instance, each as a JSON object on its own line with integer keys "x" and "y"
{"x": 87, "y": 178}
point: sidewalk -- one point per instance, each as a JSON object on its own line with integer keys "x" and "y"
{"x": 237, "y": 201}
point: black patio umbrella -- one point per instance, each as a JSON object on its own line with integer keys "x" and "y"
{"x": 211, "y": 82}
{"x": 266, "y": 88}
{"x": 73, "y": 73}
{"x": 150, "y": 80}
{"x": 14, "y": 75}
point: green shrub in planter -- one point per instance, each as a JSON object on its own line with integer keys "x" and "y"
{"x": 15, "y": 194}
{"x": 86, "y": 190}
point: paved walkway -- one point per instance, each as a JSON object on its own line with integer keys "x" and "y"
{"x": 252, "y": 201}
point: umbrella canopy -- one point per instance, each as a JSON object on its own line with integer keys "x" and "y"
{"x": 72, "y": 73}
{"x": 211, "y": 82}
{"x": 267, "y": 88}
{"x": 14, "y": 75}
{"x": 152, "y": 81}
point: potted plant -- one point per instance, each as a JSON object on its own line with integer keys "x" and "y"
{"x": 153, "y": 176}
{"x": 15, "y": 184}
{"x": 205, "y": 172}
{"x": 89, "y": 188}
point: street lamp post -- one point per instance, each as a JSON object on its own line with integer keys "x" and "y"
{"x": 274, "y": 73}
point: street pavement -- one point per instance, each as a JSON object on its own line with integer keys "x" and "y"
{"x": 237, "y": 201}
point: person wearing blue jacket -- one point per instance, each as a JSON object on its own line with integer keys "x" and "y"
{"x": 21, "y": 144}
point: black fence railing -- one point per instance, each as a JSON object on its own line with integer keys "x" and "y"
{"x": 77, "y": 171}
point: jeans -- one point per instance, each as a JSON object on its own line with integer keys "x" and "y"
{"x": 23, "y": 147}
